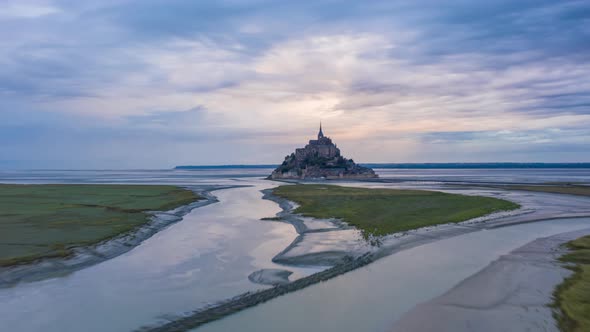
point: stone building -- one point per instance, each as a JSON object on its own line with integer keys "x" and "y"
{"x": 321, "y": 147}
{"x": 320, "y": 158}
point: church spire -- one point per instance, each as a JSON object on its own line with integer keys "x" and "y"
{"x": 320, "y": 134}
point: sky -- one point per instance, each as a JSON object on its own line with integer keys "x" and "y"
{"x": 157, "y": 83}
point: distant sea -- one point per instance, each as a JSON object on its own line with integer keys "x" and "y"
{"x": 419, "y": 166}
{"x": 230, "y": 174}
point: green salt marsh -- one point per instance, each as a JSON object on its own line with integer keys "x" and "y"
{"x": 42, "y": 221}
{"x": 386, "y": 211}
{"x": 572, "y": 297}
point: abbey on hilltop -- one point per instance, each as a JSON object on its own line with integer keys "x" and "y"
{"x": 320, "y": 159}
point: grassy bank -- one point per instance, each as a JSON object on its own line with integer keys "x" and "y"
{"x": 38, "y": 221}
{"x": 569, "y": 189}
{"x": 386, "y": 211}
{"x": 572, "y": 297}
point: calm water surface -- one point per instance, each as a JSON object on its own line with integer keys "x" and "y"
{"x": 205, "y": 258}
{"x": 208, "y": 256}
{"x": 489, "y": 175}
{"x": 373, "y": 297}
{"x": 215, "y": 176}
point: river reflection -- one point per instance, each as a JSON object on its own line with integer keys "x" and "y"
{"x": 205, "y": 258}
{"x": 373, "y": 297}
{"x": 208, "y": 256}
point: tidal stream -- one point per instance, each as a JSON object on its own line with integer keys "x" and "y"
{"x": 200, "y": 260}
{"x": 373, "y": 297}
{"x": 208, "y": 256}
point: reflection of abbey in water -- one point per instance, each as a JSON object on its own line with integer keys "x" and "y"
{"x": 320, "y": 159}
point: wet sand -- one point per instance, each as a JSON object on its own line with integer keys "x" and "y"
{"x": 373, "y": 297}
{"x": 511, "y": 294}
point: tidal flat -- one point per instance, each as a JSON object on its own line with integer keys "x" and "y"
{"x": 207, "y": 256}
{"x": 48, "y": 221}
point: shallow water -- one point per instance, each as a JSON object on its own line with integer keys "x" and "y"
{"x": 208, "y": 256}
{"x": 205, "y": 258}
{"x": 488, "y": 175}
{"x": 373, "y": 297}
{"x": 164, "y": 176}
{"x": 224, "y": 175}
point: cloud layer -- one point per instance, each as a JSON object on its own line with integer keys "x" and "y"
{"x": 116, "y": 84}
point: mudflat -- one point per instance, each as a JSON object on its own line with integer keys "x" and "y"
{"x": 513, "y": 293}
{"x": 43, "y": 221}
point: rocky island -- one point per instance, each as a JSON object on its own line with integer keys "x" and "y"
{"x": 320, "y": 159}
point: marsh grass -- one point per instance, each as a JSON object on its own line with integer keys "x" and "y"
{"x": 384, "y": 211}
{"x": 42, "y": 221}
{"x": 572, "y": 297}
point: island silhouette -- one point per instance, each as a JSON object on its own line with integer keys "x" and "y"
{"x": 320, "y": 159}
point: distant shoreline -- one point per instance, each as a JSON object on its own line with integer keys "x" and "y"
{"x": 418, "y": 166}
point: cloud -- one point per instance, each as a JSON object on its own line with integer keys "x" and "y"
{"x": 22, "y": 9}
{"x": 393, "y": 81}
